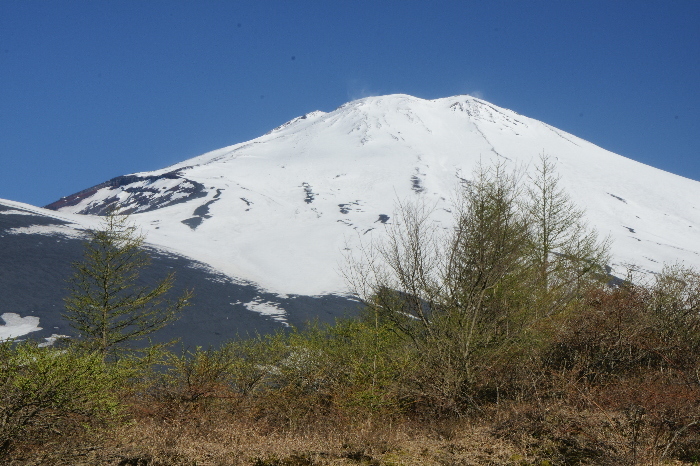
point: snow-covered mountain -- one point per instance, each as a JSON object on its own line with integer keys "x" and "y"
{"x": 279, "y": 210}
{"x": 259, "y": 229}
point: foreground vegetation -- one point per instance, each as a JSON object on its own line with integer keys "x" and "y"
{"x": 615, "y": 382}
{"x": 500, "y": 342}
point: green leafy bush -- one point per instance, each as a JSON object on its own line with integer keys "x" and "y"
{"x": 42, "y": 388}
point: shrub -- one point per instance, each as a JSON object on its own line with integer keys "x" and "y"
{"x": 42, "y": 388}
{"x": 236, "y": 370}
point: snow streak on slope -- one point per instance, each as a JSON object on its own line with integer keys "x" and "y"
{"x": 280, "y": 209}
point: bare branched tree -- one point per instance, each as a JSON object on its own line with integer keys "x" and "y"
{"x": 464, "y": 298}
{"x": 565, "y": 252}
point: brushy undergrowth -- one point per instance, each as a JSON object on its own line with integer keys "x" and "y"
{"x": 616, "y": 381}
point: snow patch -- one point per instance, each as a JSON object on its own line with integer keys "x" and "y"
{"x": 15, "y": 212}
{"x": 269, "y": 309}
{"x": 50, "y": 341}
{"x": 47, "y": 230}
{"x": 16, "y": 326}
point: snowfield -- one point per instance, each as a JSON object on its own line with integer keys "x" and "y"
{"x": 280, "y": 210}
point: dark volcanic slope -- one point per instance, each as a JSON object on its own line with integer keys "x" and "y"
{"x": 142, "y": 198}
{"x": 34, "y": 269}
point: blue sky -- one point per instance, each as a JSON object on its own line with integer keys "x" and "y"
{"x": 90, "y": 90}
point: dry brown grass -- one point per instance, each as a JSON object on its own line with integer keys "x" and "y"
{"x": 221, "y": 441}
{"x": 510, "y": 433}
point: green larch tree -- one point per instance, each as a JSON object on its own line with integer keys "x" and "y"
{"x": 107, "y": 305}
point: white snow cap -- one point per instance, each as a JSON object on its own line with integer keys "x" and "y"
{"x": 280, "y": 209}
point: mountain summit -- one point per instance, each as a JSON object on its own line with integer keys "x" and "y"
{"x": 279, "y": 210}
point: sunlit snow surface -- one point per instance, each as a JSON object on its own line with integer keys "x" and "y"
{"x": 16, "y": 326}
{"x": 267, "y": 308}
{"x": 279, "y": 210}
